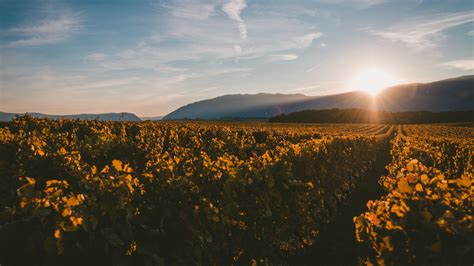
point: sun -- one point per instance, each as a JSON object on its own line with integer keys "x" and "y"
{"x": 372, "y": 81}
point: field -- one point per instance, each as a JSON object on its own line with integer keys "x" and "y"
{"x": 152, "y": 193}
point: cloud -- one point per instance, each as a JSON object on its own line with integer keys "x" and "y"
{"x": 464, "y": 64}
{"x": 312, "y": 68}
{"x": 360, "y": 4}
{"x": 233, "y": 8}
{"x": 201, "y": 41}
{"x": 186, "y": 53}
{"x": 283, "y": 57}
{"x": 107, "y": 83}
{"x": 306, "y": 89}
{"x": 95, "y": 57}
{"x": 211, "y": 39}
{"x": 47, "y": 31}
{"x": 306, "y": 40}
{"x": 188, "y": 9}
{"x": 425, "y": 32}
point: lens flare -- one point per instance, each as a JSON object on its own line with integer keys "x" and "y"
{"x": 372, "y": 81}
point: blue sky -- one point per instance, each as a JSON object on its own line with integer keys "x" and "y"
{"x": 150, "y": 57}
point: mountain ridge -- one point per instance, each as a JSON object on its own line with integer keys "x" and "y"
{"x": 122, "y": 116}
{"x": 453, "y": 94}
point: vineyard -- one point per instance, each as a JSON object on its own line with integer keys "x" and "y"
{"x": 427, "y": 216}
{"x": 156, "y": 193}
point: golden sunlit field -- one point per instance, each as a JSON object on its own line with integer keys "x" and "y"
{"x": 218, "y": 193}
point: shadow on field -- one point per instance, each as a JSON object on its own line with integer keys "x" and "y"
{"x": 336, "y": 244}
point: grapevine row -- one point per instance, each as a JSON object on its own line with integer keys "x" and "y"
{"x": 427, "y": 216}
{"x": 153, "y": 193}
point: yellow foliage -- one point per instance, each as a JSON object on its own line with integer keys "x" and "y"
{"x": 57, "y": 233}
{"x": 403, "y": 186}
{"x": 117, "y": 165}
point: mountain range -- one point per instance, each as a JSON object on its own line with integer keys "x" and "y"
{"x": 455, "y": 94}
{"x": 102, "y": 117}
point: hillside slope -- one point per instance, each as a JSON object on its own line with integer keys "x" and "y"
{"x": 446, "y": 95}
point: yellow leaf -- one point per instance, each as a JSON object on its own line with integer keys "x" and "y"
{"x": 31, "y": 181}
{"x": 412, "y": 178}
{"x": 76, "y": 220}
{"x": 442, "y": 186}
{"x": 62, "y": 151}
{"x": 465, "y": 181}
{"x": 51, "y": 182}
{"x": 253, "y": 262}
{"x": 23, "y": 203}
{"x": 418, "y": 187}
{"x": 403, "y": 186}
{"x": 425, "y": 179}
{"x": 40, "y": 152}
{"x": 94, "y": 170}
{"x": 104, "y": 170}
{"x": 57, "y": 233}
{"x": 72, "y": 201}
{"x": 66, "y": 212}
{"x": 117, "y": 165}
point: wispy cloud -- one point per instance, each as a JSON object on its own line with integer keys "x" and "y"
{"x": 312, "y": 68}
{"x": 211, "y": 37}
{"x": 233, "y": 8}
{"x": 283, "y": 57}
{"x": 360, "y": 4}
{"x": 464, "y": 64}
{"x": 108, "y": 83}
{"x": 425, "y": 32}
{"x": 189, "y": 9}
{"x": 47, "y": 31}
{"x": 304, "y": 89}
{"x": 95, "y": 57}
{"x": 307, "y": 40}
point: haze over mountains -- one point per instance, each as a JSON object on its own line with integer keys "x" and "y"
{"x": 455, "y": 94}
{"x": 102, "y": 117}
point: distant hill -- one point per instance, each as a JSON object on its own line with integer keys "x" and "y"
{"x": 102, "y": 117}
{"x": 260, "y": 105}
{"x": 455, "y": 94}
{"x": 374, "y": 116}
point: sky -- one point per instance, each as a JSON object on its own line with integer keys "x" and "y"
{"x": 150, "y": 57}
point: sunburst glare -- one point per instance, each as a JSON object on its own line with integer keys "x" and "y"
{"x": 372, "y": 81}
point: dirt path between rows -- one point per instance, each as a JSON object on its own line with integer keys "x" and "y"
{"x": 336, "y": 244}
